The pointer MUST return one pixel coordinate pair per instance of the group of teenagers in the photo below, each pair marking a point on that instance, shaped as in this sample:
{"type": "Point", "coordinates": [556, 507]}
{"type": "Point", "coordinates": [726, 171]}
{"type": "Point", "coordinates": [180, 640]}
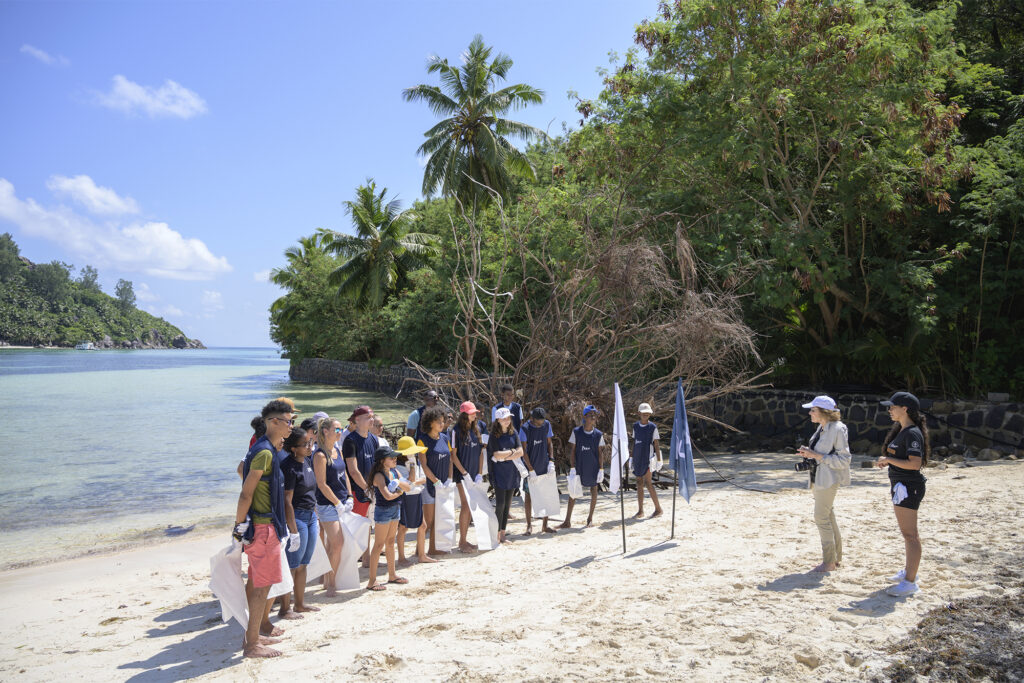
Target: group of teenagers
{"type": "Point", "coordinates": [299, 483]}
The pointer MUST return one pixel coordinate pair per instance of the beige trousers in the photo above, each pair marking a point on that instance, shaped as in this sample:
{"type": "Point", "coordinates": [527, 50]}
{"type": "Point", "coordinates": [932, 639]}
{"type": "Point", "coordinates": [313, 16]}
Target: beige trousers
{"type": "Point", "coordinates": [825, 518]}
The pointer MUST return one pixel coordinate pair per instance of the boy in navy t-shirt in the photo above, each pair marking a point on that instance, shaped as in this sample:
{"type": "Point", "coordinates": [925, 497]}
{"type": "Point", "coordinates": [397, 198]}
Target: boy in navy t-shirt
{"type": "Point", "coordinates": [536, 435]}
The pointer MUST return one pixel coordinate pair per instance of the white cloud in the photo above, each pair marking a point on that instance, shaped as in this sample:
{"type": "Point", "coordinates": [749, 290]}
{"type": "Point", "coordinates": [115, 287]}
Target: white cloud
{"type": "Point", "coordinates": [261, 275]}
{"type": "Point", "coordinates": [150, 247]}
{"type": "Point", "coordinates": [45, 57]}
{"type": "Point", "coordinates": [164, 311]}
{"type": "Point", "coordinates": [144, 293]}
{"type": "Point", "coordinates": [170, 99]}
{"type": "Point", "coordinates": [212, 300]}
{"type": "Point", "coordinates": [82, 189]}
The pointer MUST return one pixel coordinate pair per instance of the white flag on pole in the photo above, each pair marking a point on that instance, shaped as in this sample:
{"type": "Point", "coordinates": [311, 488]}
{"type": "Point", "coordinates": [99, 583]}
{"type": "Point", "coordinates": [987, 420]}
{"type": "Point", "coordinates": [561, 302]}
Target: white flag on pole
{"type": "Point", "coordinates": [620, 443]}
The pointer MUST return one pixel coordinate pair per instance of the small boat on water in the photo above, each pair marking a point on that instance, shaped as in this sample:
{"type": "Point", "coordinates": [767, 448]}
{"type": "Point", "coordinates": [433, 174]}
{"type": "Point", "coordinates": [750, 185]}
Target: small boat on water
{"type": "Point", "coordinates": [85, 346]}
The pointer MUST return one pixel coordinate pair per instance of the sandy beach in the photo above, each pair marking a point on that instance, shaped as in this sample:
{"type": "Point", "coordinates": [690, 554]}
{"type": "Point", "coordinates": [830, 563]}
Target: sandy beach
{"type": "Point", "coordinates": [728, 599]}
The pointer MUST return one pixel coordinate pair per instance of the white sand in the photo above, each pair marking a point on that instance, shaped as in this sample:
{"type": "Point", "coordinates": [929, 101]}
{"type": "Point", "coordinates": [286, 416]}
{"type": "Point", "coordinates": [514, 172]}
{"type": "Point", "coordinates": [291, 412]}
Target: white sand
{"type": "Point", "coordinates": [727, 599]}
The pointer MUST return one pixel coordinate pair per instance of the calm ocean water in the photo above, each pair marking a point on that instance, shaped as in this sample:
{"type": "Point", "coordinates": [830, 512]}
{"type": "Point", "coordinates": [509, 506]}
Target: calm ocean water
{"type": "Point", "coordinates": [109, 449]}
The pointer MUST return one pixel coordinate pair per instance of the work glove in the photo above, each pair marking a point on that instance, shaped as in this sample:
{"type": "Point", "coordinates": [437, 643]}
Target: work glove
{"type": "Point", "coordinates": [239, 531]}
{"type": "Point", "coordinates": [572, 472]}
{"type": "Point", "coordinates": [294, 541]}
{"type": "Point", "coordinates": [533, 475]}
{"type": "Point", "coordinates": [478, 479]}
{"type": "Point", "coordinates": [551, 467]}
{"type": "Point", "coordinates": [600, 475]}
{"type": "Point", "coordinates": [392, 485]}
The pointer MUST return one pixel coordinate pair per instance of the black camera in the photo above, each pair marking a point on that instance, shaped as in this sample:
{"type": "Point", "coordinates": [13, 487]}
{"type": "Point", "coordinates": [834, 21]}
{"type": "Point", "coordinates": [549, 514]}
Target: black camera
{"type": "Point", "coordinates": [805, 465]}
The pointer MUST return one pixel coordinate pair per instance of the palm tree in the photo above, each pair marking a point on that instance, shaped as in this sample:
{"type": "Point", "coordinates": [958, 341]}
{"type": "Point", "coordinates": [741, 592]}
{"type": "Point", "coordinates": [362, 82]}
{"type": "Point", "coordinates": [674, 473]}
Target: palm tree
{"type": "Point", "coordinates": [288, 313]}
{"type": "Point", "coordinates": [470, 147]}
{"type": "Point", "coordinates": [382, 253]}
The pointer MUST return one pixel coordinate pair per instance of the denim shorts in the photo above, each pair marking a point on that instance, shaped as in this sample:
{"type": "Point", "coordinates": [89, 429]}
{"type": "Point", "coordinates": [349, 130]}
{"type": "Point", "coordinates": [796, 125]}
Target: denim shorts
{"type": "Point", "coordinates": [327, 513]}
{"type": "Point", "coordinates": [425, 496]}
{"type": "Point", "coordinates": [383, 515]}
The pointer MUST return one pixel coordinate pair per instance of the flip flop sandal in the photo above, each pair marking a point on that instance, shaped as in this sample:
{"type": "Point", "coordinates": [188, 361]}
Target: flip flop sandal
{"type": "Point", "coordinates": [400, 580]}
{"type": "Point", "coordinates": [376, 587]}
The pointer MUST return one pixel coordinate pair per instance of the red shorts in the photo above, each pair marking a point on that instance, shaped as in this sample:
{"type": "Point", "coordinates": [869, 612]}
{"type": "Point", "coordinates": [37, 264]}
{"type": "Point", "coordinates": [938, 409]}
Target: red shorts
{"type": "Point", "coordinates": [264, 557]}
{"type": "Point", "coordinates": [360, 508]}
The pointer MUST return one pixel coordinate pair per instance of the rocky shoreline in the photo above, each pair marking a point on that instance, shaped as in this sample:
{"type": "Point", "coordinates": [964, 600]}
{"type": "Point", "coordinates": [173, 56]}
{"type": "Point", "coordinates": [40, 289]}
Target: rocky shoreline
{"type": "Point", "coordinates": [151, 339]}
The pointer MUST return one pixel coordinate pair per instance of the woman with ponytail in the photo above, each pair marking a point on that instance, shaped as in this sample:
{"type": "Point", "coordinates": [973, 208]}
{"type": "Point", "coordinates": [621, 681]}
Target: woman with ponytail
{"type": "Point", "coordinates": [905, 452]}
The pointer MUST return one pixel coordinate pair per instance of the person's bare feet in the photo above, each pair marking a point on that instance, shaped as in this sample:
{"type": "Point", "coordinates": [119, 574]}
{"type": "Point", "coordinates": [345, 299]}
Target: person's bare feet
{"type": "Point", "coordinates": [273, 631]}
{"type": "Point", "coordinates": [426, 558]}
{"type": "Point", "coordinates": [290, 615]}
{"type": "Point", "coordinates": [565, 525]}
{"type": "Point", "coordinates": [529, 530]}
{"type": "Point", "coordinates": [259, 651]}
{"type": "Point", "coordinates": [467, 548]}
{"type": "Point", "coordinates": [405, 562]}
{"type": "Point", "coordinates": [639, 515]}
{"type": "Point", "coordinates": [823, 568]}
{"type": "Point", "coordinates": [331, 593]}
{"type": "Point", "coordinates": [590, 523]}
{"type": "Point", "coordinates": [267, 640]}
{"type": "Point", "coordinates": [548, 530]}
{"type": "Point", "coordinates": [657, 513]}
{"type": "Point", "coordinates": [437, 553]}
{"type": "Point", "coordinates": [307, 608]}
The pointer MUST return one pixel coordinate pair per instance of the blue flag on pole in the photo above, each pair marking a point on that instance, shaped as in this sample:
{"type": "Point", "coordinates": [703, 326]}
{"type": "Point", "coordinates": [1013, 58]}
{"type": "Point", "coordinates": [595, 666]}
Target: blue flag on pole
{"type": "Point", "coordinates": [681, 453]}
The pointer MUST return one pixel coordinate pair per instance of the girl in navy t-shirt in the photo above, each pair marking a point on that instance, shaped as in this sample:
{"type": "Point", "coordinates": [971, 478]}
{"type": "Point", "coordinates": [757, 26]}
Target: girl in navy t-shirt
{"type": "Point", "coordinates": [469, 437]}
{"type": "Point", "coordinates": [503, 448]}
{"type": "Point", "coordinates": [436, 464]}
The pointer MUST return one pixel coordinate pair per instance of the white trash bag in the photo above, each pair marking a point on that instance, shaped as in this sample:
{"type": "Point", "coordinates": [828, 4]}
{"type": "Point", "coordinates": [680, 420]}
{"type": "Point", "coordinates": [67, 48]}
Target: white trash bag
{"type": "Point", "coordinates": [355, 534]}
{"type": "Point", "coordinates": [484, 520]}
{"type": "Point", "coordinates": [544, 495]}
{"type": "Point", "coordinates": [227, 585]}
{"type": "Point", "coordinates": [444, 516]}
{"type": "Point", "coordinates": [575, 485]}
{"type": "Point", "coordinates": [285, 585]}
{"type": "Point", "coordinates": [319, 563]}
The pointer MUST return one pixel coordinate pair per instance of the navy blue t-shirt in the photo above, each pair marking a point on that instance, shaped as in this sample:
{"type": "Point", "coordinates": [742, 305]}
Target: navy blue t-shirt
{"type": "Point", "coordinates": [535, 443]}
{"type": "Point", "coordinates": [439, 457]}
{"type": "Point", "coordinates": [503, 473]}
{"type": "Point", "coordinates": [643, 438]}
{"type": "Point", "coordinates": [362, 449]}
{"type": "Point", "coordinates": [299, 478]}
{"type": "Point", "coordinates": [587, 453]}
{"type": "Point", "coordinates": [468, 447]}
{"type": "Point", "coordinates": [909, 442]}
{"type": "Point", "coordinates": [336, 478]}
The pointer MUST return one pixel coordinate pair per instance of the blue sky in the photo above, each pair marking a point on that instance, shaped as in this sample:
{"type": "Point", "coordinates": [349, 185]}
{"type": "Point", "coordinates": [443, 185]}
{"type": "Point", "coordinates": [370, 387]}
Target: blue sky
{"type": "Point", "coordinates": [184, 146]}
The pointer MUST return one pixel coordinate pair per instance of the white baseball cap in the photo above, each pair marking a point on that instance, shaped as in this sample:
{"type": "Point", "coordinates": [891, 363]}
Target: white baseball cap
{"type": "Point", "coordinates": [823, 402]}
{"type": "Point", "coordinates": [645, 408]}
{"type": "Point", "coordinates": [502, 413]}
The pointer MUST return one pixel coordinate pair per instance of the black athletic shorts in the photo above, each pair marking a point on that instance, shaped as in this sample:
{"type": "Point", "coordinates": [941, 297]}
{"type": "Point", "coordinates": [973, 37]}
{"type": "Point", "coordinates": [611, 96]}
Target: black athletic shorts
{"type": "Point", "coordinates": [914, 494]}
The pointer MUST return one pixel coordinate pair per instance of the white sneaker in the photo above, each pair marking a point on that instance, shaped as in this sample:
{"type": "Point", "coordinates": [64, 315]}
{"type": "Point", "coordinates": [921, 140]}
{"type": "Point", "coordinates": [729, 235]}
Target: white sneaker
{"type": "Point", "coordinates": [898, 576]}
{"type": "Point", "coordinates": [902, 589]}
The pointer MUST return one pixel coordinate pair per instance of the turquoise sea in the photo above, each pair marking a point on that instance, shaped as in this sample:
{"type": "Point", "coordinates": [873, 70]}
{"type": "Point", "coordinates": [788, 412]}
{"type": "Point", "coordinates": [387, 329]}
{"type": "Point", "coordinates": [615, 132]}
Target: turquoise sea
{"type": "Point", "coordinates": [109, 449]}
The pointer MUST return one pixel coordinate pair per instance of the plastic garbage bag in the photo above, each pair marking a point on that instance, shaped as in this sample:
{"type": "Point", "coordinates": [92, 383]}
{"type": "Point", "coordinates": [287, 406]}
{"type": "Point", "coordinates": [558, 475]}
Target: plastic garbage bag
{"type": "Point", "coordinates": [285, 585]}
{"type": "Point", "coordinates": [444, 516]}
{"type": "Point", "coordinates": [319, 563]}
{"type": "Point", "coordinates": [227, 585]}
{"type": "Point", "coordinates": [355, 532]}
{"type": "Point", "coordinates": [544, 496]}
{"type": "Point", "coordinates": [575, 485]}
{"type": "Point", "coordinates": [484, 520]}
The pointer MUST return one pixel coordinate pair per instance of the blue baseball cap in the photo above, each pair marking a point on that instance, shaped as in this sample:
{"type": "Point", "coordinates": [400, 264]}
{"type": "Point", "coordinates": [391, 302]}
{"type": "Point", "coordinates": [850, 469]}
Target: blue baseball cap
{"type": "Point", "coordinates": [589, 409]}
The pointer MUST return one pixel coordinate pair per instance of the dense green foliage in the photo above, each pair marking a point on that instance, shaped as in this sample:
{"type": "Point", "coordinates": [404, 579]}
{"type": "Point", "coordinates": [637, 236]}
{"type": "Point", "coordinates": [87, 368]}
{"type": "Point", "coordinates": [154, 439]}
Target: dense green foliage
{"type": "Point", "coordinates": [40, 304]}
{"type": "Point", "coordinates": [854, 170]}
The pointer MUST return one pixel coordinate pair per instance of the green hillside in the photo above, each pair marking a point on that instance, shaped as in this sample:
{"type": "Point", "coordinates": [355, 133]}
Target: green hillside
{"type": "Point", "coordinates": [42, 305]}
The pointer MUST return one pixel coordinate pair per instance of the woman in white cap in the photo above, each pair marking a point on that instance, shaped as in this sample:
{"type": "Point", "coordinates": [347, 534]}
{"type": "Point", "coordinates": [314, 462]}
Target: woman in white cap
{"type": "Point", "coordinates": [905, 452]}
{"type": "Point", "coordinates": [646, 442]}
{"type": "Point", "coordinates": [827, 461]}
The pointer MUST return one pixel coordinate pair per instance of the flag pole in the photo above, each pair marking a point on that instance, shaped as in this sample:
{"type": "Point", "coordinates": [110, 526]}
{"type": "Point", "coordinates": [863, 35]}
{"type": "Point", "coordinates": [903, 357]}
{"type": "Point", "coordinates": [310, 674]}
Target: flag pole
{"type": "Point", "coordinates": [622, 516]}
{"type": "Point", "coordinates": [675, 486]}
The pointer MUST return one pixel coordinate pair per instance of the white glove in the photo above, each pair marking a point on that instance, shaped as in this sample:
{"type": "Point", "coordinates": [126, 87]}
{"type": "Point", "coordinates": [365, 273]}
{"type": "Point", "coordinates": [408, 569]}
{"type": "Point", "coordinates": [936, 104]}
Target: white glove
{"type": "Point", "coordinates": [600, 474]}
{"type": "Point", "coordinates": [239, 531]}
{"type": "Point", "coordinates": [518, 462]}
{"type": "Point", "coordinates": [392, 485]}
{"type": "Point", "coordinates": [294, 541]}
{"type": "Point", "coordinates": [479, 479]}
{"type": "Point", "coordinates": [572, 472]}
{"type": "Point", "coordinates": [533, 475]}
{"type": "Point", "coordinates": [551, 467]}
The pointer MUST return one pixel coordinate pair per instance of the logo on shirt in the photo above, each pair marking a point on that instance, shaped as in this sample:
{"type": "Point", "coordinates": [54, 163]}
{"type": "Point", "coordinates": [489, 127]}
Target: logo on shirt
{"type": "Point", "coordinates": [914, 444]}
